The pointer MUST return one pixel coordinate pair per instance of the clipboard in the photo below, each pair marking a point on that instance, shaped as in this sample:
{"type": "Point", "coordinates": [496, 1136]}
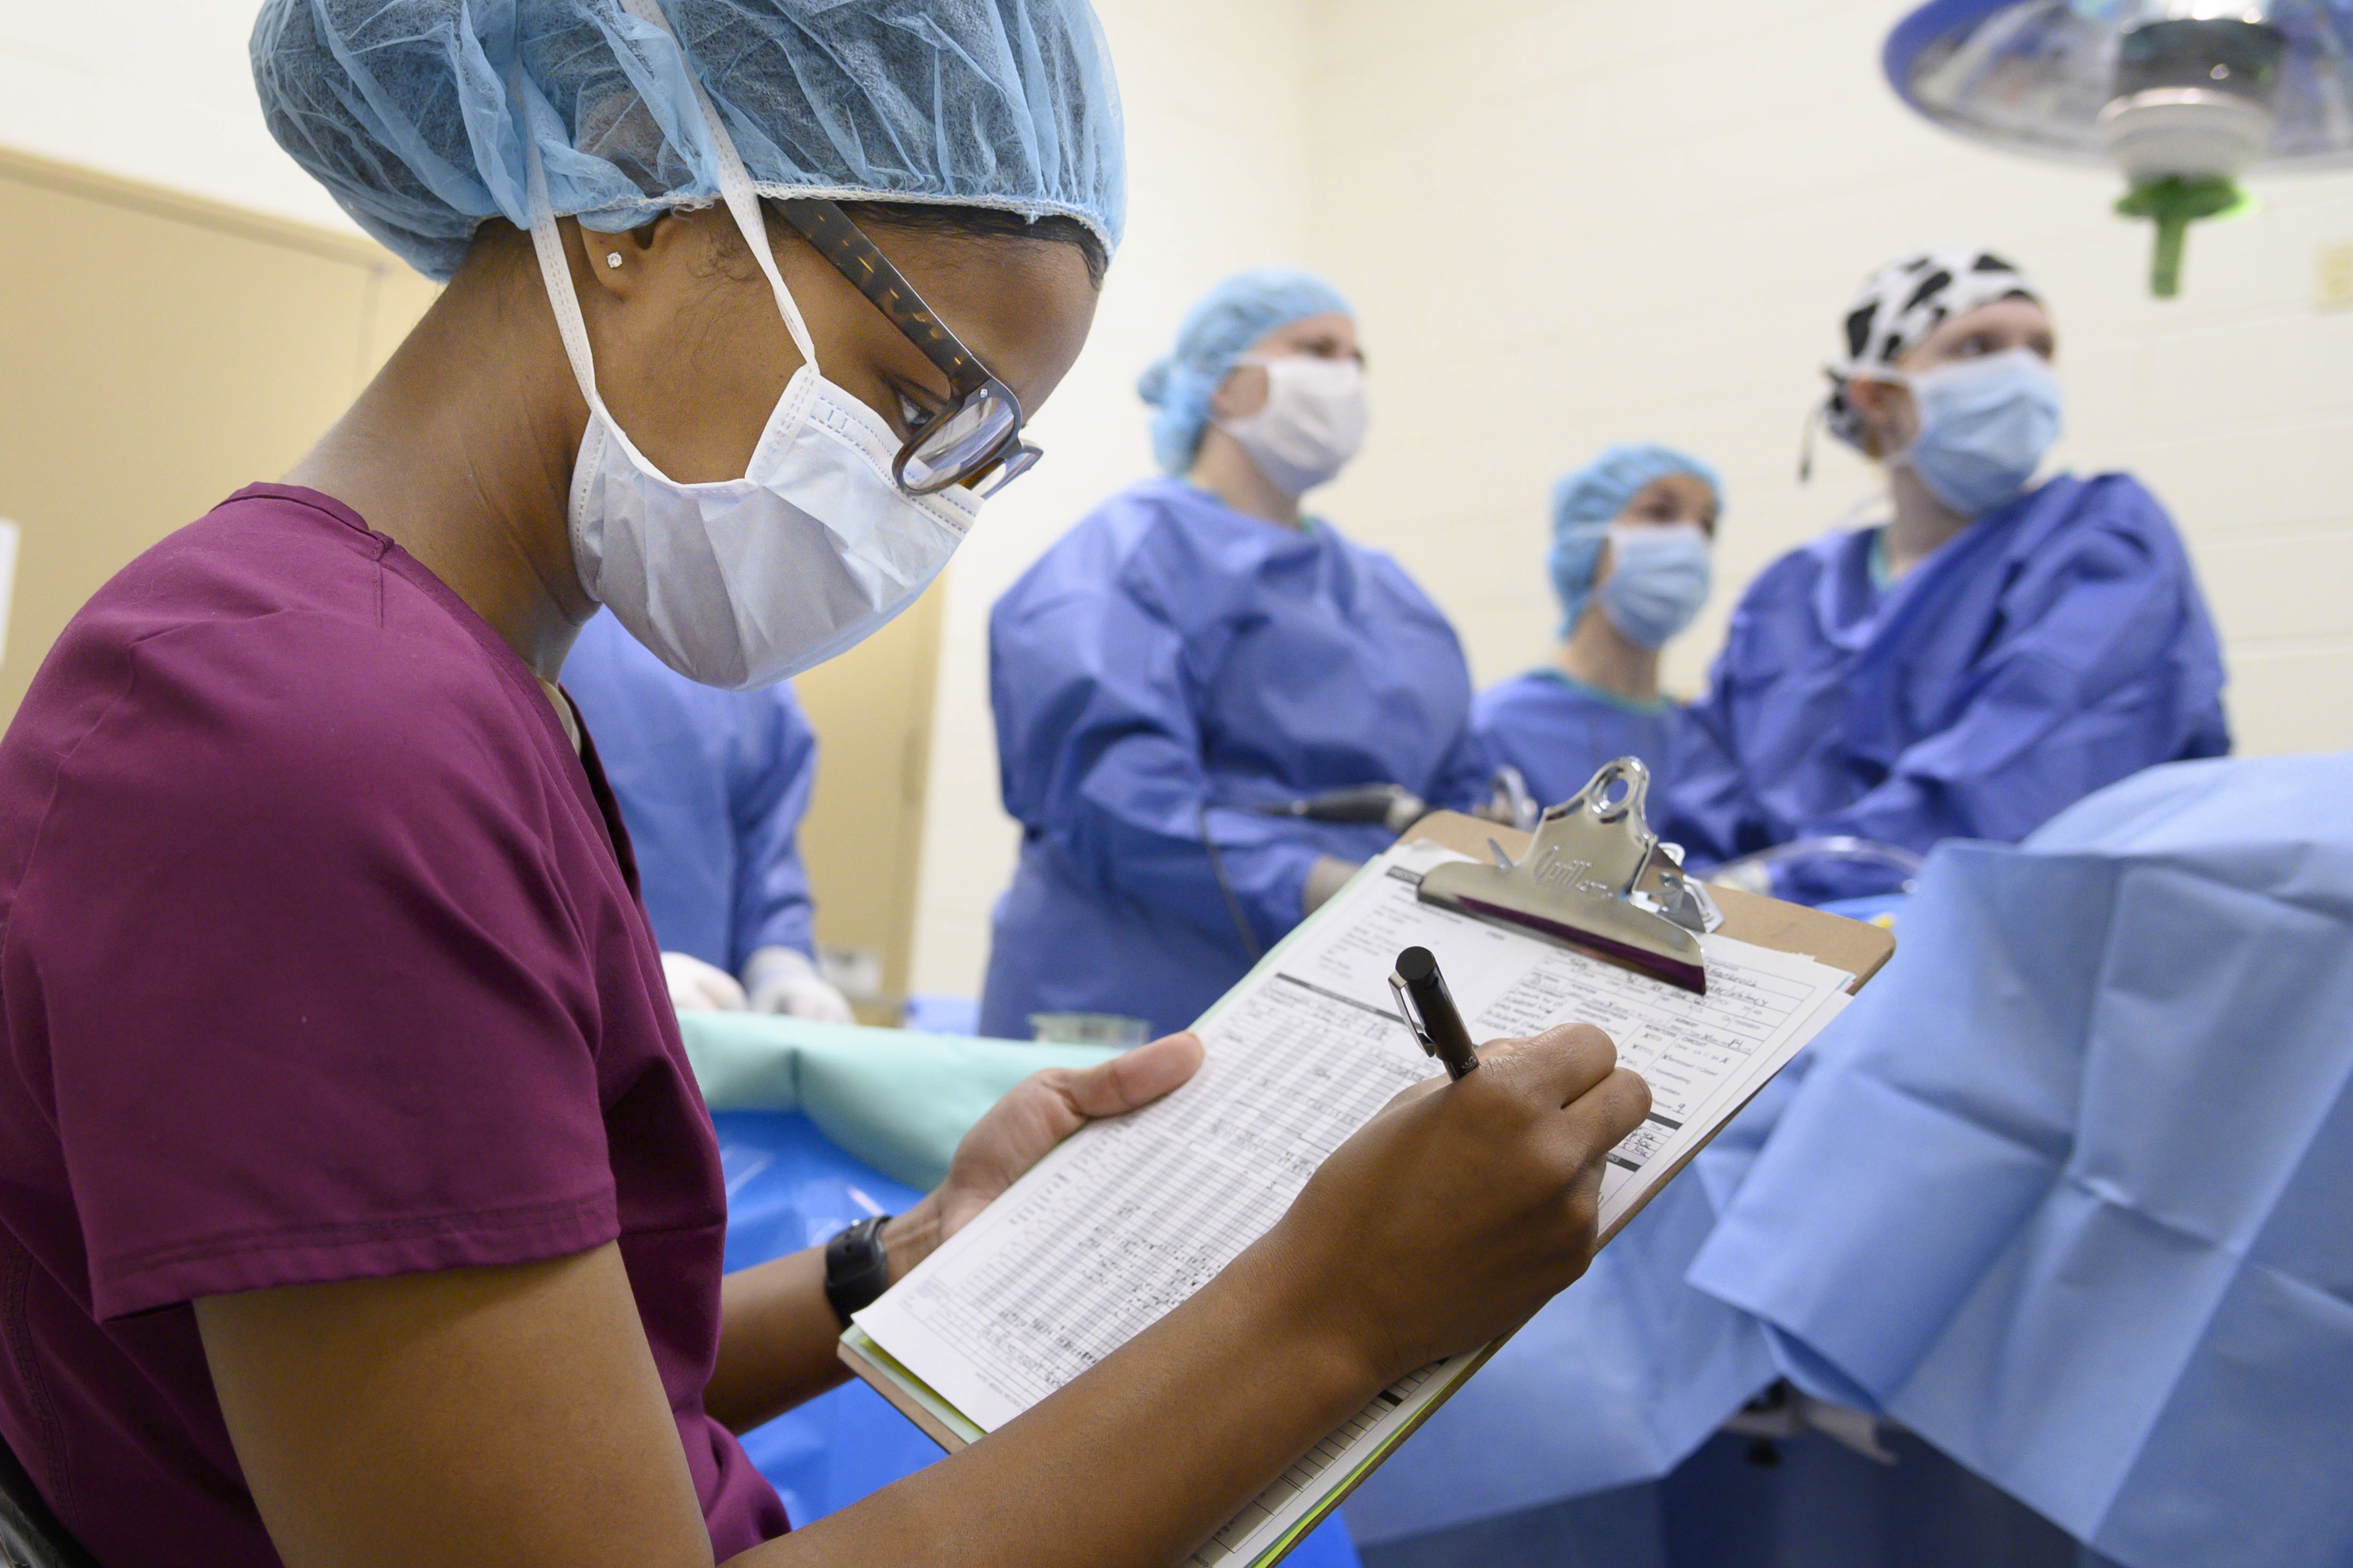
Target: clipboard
{"type": "Point", "coordinates": [1858, 949]}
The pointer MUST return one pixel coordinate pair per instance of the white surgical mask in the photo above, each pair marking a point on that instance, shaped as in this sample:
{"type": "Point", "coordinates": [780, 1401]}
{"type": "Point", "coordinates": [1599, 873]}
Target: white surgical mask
{"type": "Point", "coordinates": [1985, 426]}
{"type": "Point", "coordinates": [1659, 578]}
{"type": "Point", "coordinates": [742, 582]}
{"type": "Point", "coordinates": [1312, 424]}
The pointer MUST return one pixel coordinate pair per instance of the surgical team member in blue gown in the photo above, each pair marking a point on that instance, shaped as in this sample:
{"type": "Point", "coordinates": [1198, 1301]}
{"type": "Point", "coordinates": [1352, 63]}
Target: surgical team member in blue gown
{"type": "Point", "coordinates": [713, 786]}
{"type": "Point", "coordinates": [1198, 646]}
{"type": "Point", "coordinates": [1985, 653]}
{"type": "Point", "coordinates": [1631, 534]}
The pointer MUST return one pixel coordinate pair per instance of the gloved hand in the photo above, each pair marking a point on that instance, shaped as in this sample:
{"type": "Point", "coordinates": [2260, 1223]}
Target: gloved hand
{"type": "Point", "coordinates": [698, 987]}
{"type": "Point", "coordinates": [782, 980]}
{"type": "Point", "coordinates": [1327, 877]}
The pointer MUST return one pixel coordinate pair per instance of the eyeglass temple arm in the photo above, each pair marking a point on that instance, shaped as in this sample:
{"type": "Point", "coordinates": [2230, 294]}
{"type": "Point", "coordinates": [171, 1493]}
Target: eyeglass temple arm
{"type": "Point", "coordinates": [840, 241]}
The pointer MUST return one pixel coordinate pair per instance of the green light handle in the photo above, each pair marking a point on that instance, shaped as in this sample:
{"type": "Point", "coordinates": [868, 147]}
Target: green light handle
{"type": "Point", "coordinates": [2165, 255]}
{"type": "Point", "coordinates": [2173, 204]}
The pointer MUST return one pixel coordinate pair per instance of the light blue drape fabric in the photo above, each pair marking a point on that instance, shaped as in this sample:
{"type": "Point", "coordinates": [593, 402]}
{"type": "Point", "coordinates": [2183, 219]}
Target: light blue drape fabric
{"type": "Point", "coordinates": [2064, 1193]}
{"type": "Point", "coordinates": [2066, 1190]}
{"type": "Point", "coordinates": [895, 1100]}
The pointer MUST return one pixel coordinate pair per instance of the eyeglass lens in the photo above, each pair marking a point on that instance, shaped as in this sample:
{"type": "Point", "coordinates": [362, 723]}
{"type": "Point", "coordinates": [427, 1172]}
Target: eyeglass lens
{"type": "Point", "coordinates": [961, 441]}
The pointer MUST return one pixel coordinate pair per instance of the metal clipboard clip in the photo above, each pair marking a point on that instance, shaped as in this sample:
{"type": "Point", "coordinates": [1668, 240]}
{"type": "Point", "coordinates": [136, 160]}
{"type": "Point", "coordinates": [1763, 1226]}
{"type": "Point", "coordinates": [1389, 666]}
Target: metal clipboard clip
{"type": "Point", "coordinates": [1596, 877]}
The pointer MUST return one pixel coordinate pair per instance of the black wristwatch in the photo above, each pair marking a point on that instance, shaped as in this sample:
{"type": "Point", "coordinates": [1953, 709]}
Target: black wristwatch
{"type": "Point", "coordinates": [856, 1269]}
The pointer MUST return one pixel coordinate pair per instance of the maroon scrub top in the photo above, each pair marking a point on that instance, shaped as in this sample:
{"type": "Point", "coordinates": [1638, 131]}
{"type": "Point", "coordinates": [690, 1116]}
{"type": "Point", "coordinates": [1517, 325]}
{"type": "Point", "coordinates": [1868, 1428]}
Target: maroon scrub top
{"type": "Point", "coordinates": [321, 958]}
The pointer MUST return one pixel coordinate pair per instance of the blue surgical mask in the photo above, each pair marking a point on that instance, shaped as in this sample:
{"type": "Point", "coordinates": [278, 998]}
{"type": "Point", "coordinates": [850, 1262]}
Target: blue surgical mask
{"type": "Point", "coordinates": [1659, 578]}
{"type": "Point", "coordinates": [1985, 426]}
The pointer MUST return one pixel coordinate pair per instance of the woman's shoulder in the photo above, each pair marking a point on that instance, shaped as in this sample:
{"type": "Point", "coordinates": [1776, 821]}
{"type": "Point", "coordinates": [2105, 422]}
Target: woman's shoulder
{"type": "Point", "coordinates": [2103, 528]}
{"type": "Point", "coordinates": [1104, 536]}
{"type": "Point", "coordinates": [1161, 544]}
{"type": "Point", "coordinates": [2113, 503]}
{"type": "Point", "coordinates": [1371, 559]}
{"type": "Point", "coordinates": [276, 641]}
{"type": "Point", "coordinates": [1387, 575]}
{"type": "Point", "coordinates": [1171, 525]}
{"type": "Point", "coordinates": [264, 551]}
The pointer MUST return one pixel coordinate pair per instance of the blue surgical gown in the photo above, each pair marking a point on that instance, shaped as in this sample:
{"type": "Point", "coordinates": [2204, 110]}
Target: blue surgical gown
{"type": "Point", "coordinates": [1166, 662]}
{"type": "Point", "coordinates": [1557, 729]}
{"type": "Point", "coordinates": [2064, 1190]}
{"type": "Point", "coordinates": [711, 785]}
{"type": "Point", "coordinates": [2050, 649]}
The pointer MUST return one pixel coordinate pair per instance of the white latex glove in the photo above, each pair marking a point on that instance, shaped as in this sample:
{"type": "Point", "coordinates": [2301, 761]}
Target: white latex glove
{"type": "Point", "coordinates": [698, 987]}
{"type": "Point", "coordinates": [782, 980]}
{"type": "Point", "coordinates": [1327, 877]}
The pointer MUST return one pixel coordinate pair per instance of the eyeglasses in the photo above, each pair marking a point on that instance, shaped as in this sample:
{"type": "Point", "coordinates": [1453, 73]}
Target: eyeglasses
{"type": "Point", "coordinates": [980, 430]}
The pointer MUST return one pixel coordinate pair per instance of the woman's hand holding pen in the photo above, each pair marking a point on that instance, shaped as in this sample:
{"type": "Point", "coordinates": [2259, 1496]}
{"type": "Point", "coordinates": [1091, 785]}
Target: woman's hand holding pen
{"type": "Point", "coordinates": [1462, 1208]}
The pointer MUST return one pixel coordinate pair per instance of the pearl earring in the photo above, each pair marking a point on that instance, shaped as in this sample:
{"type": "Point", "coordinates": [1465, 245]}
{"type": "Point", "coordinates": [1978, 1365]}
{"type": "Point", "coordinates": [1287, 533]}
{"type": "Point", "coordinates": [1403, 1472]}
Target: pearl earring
{"type": "Point", "coordinates": [612, 258]}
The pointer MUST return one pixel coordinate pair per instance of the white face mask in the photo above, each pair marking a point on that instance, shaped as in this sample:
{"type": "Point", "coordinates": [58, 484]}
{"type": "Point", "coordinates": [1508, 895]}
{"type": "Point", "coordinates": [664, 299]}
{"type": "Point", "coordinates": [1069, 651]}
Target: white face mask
{"type": "Point", "coordinates": [1313, 422]}
{"type": "Point", "coordinates": [742, 582]}
{"type": "Point", "coordinates": [1985, 426]}
{"type": "Point", "coordinates": [1659, 578]}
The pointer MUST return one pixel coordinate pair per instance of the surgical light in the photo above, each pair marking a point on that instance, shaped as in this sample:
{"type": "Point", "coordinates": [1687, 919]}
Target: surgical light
{"type": "Point", "coordinates": [2182, 96]}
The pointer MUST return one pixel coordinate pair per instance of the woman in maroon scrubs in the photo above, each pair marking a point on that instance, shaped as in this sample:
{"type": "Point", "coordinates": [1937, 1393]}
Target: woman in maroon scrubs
{"type": "Point", "coordinates": [356, 1203]}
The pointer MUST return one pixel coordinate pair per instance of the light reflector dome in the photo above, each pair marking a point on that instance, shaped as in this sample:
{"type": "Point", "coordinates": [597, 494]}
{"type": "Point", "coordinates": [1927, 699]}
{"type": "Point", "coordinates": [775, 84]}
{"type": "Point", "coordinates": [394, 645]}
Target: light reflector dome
{"type": "Point", "coordinates": [2183, 96]}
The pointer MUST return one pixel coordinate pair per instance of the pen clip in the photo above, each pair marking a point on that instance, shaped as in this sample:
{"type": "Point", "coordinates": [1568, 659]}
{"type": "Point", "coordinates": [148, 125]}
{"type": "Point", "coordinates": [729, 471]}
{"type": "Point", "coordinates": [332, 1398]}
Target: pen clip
{"type": "Point", "coordinates": [1411, 1014]}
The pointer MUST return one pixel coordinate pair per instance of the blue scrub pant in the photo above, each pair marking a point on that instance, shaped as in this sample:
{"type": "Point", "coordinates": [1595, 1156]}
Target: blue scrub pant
{"type": "Point", "coordinates": [788, 1187]}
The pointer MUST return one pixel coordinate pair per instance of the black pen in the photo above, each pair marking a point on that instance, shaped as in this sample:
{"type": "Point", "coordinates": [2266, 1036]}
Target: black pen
{"type": "Point", "coordinates": [1429, 1011]}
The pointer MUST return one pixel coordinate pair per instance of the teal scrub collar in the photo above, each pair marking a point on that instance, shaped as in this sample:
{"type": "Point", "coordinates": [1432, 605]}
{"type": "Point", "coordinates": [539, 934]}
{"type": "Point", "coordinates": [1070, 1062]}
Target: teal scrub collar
{"type": "Point", "coordinates": [1659, 704]}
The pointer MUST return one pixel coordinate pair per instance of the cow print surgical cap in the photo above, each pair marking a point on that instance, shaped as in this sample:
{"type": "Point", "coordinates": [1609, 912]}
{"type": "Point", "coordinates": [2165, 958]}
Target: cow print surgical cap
{"type": "Point", "coordinates": [1901, 304]}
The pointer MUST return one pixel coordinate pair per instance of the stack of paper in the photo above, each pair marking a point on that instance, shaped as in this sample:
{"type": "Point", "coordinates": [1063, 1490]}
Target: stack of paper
{"type": "Point", "coordinates": [1131, 1216]}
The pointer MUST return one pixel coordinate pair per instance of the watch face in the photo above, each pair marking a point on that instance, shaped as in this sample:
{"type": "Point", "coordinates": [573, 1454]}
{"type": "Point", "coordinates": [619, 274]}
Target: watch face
{"type": "Point", "coordinates": [857, 1269]}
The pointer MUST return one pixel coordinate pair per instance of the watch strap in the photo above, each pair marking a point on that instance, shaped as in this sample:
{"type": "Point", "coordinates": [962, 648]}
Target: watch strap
{"type": "Point", "coordinates": [857, 1269]}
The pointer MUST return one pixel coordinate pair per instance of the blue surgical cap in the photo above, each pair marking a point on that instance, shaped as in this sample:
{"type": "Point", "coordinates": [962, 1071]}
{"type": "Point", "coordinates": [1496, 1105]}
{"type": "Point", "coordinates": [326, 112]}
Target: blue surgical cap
{"type": "Point", "coordinates": [1586, 501]}
{"type": "Point", "coordinates": [1217, 331]}
{"type": "Point", "coordinates": [412, 113]}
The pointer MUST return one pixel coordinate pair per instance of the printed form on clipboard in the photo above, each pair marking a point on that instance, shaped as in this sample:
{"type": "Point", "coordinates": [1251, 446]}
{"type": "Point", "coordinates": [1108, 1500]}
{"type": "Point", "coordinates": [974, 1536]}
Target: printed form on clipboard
{"type": "Point", "coordinates": [1129, 1216]}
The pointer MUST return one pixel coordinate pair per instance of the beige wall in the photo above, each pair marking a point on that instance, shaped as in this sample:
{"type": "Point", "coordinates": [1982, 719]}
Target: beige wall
{"type": "Point", "coordinates": [1568, 222]}
{"type": "Point", "coordinates": [1217, 129]}
{"type": "Point", "coordinates": [862, 840]}
{"type": "Point", "coordinates": [159, 91]}
{"type": "Point", "coordinates": [158, 353]}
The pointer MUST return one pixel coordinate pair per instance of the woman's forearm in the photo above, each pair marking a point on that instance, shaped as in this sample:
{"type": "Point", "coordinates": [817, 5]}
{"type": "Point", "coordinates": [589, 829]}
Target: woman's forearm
{"type": "Point", "coordinates": [1138, 1460]}
{"type": "Point", "coordinates": [777, 1332]}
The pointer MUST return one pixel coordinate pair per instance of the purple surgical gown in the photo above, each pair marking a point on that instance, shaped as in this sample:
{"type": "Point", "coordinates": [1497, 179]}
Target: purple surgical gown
{"type": "Point", "coordinates": [1166, 663]}
{"type": "Point", "coordinates": [2053, 646]}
